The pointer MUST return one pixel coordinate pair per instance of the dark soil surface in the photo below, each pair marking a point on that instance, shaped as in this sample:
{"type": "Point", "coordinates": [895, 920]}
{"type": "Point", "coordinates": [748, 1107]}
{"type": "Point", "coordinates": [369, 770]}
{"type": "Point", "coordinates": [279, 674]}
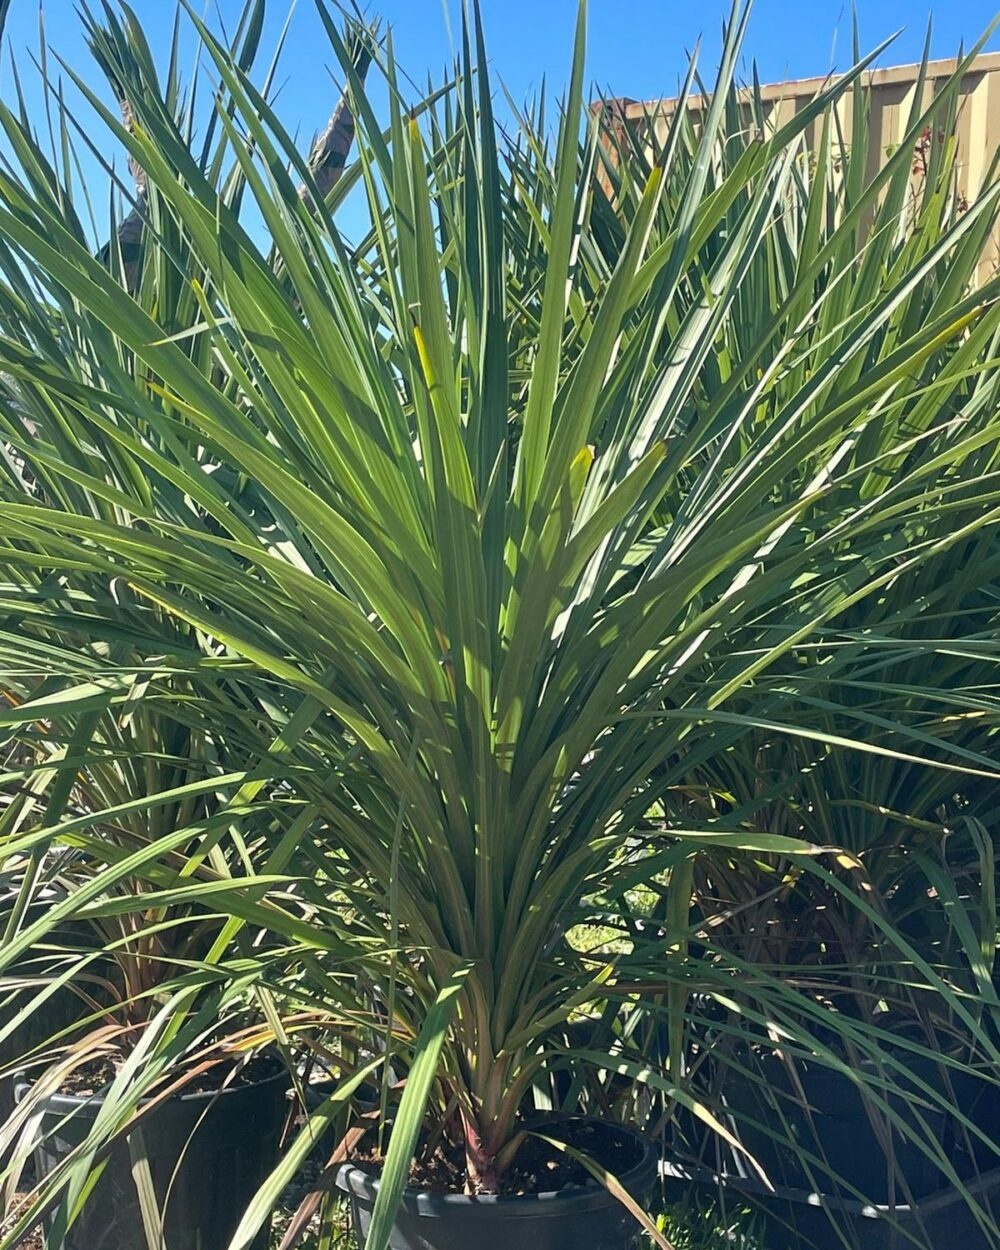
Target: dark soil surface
{"type": "Point", "coordinates": [539, 1167]}
{"type": "Point", "coordinates": [91, 1076]}
{"type": "Point", "coordinates": [97, 1073]}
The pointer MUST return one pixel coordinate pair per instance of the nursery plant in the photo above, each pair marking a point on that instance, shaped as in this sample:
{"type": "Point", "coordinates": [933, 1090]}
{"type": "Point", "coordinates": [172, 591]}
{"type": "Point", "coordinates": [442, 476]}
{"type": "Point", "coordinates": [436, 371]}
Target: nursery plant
{"type": "Point", "coordinates": [918, 846]}
{"type": "Point", "coordinates": [483, 530]}
{"type": "Point", "coordinates": [132, 964]}
{"type": "Point", "coordinates": [913, 851]}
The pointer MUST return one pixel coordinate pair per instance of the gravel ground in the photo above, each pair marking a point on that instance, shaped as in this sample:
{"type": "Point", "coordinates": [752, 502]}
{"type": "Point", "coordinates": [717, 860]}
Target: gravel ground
{"type": "Point", "coordinates": [34, 1242]}
{"type": "Point", "coordinates": [293, 1196]}
{"type": "Point", "coordinates": [688, 1229]}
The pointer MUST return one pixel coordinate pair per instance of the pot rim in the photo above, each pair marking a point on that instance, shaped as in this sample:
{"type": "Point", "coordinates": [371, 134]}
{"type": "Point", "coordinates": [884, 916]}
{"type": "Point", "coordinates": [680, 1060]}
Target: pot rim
{"type": "Point", "coordinates": [358, 1182]}
{"type": "Point", "coordinates": [57, 1101]}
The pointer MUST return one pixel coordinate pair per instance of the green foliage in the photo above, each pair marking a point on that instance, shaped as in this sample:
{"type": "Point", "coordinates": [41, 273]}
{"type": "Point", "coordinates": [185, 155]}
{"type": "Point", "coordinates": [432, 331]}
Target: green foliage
{"type": "Point", "coordinates": [381, 616]}
{"type": "Point", "coordinates": [694, 1227]}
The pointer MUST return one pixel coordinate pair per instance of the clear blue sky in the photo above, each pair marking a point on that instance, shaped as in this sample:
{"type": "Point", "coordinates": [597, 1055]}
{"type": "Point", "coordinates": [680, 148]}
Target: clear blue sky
{"type": "Point", "coordinates": [636, 47]}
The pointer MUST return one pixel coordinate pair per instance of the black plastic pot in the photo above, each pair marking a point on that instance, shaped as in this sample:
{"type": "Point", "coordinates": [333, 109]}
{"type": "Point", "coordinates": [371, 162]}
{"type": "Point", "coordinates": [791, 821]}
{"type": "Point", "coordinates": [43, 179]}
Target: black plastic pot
{"type": "Point", "coordinates": [566, 1220]}
{"type": "Point", "coordinates": [986, 1116]}
{"type": "Point", "coordinates": [208, 1154]}
{"type": "Point", "coordinates": [60, 1012]}
{"type": "Point", "coordinates": [366, 1099]}
{"type": "Point", "coordinates": [804, 1220]}
{"type": "Point", "coordinates": [840, 1130]}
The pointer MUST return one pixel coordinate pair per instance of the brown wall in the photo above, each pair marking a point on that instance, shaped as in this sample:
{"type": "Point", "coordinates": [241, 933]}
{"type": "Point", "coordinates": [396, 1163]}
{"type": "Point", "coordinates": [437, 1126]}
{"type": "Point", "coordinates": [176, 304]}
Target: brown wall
{"type": "Point", "coordinates": [891, 97]}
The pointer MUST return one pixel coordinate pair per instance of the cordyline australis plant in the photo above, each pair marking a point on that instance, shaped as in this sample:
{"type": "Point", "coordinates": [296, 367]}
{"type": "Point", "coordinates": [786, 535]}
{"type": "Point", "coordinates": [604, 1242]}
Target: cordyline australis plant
{"type": "Point", "coordinates": [904, 817]}
{"type": "Point", "coordinates": [486, 526]}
